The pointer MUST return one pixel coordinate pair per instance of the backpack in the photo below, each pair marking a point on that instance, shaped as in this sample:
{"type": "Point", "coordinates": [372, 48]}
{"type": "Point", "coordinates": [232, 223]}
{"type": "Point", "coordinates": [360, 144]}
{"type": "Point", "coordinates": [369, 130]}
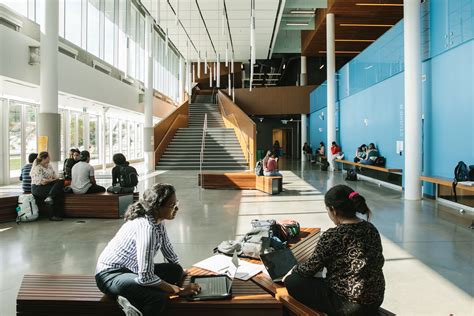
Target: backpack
{"type": "Point", "coordinates": [379, 161]}
{"type": "Point", "coordinates": [461, 173]}
{"type": "Point", "coordinates": [324, 165]}
{"type": "Point", "coordinates": [128, 177]}
{"type": "Point", "coordinates": [471, 173]}
{"type": "Point", "coordinates": [351, 175]}
{"type": "Point", "coordinates": [27, 210]}
{"type": "Point", "coordinates": [288, 229]}
{"type": "Point", "coordinates": [259, 168]}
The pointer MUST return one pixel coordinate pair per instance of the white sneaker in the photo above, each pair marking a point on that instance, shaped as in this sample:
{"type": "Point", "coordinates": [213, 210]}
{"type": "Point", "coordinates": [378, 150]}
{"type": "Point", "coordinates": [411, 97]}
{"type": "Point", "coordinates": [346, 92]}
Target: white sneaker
{"type": "Point", "coordinates": [127, 307]}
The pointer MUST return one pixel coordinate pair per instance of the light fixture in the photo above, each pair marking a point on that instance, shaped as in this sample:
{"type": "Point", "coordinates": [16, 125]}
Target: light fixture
{"type": "Point", "coordinates": [302, 11]}
{"type": "Point", "coordinates": [284, 66]}
{"type": "Point", "coordinates": [368, 67]}
{"type": "Point", "coordinates": [321, 67]}
{"type": "Point", "coordinates": [297, 23]}
{"type": "Point", "coordinates": [260, 119]}
{"type": "Point", "coordinates": [380, 4]}
{"type": "Point", "coordinates": [342, 51]}
{"type": "Point", "coordinates": [365, 25]}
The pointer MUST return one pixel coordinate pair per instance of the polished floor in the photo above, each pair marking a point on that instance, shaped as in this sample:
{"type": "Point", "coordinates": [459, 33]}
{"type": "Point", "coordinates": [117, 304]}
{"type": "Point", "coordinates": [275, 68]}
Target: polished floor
{"type": "Point", "coordinates": [428, 249]}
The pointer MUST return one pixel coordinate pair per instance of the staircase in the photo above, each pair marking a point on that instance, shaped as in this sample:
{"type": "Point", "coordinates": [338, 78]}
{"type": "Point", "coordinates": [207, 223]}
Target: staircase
{"type": "Point", "coordinates": [222, 149]}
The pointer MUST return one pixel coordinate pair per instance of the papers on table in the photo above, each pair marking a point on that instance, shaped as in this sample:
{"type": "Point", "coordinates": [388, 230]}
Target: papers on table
{"type": "Point", "coordinates": [220, 263]}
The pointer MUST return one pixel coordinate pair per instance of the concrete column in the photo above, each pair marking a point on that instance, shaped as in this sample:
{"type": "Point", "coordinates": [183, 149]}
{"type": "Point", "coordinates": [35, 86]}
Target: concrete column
{"type": "Point", "coordinates": [303, 76]}
{"type": "Point", "coordinates": [331, 84]}
{"type": "Point", "coordinates": [304, 134]}
{"type": "Point", "coordinates": [148, 144]}
{"type": "Point", "coordinates": [49, 119]}
{"type": "Point", "coordinates": [413, 123]}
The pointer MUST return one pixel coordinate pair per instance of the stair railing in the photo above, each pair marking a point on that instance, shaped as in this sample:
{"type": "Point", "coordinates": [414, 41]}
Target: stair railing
{"type": "Point", "coordinates": [203, 144]}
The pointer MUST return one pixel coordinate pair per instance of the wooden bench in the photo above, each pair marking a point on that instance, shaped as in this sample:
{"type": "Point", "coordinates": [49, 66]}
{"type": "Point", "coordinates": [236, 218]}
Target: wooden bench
{"type": "Point", "coordinates": [241, 181]}
{"type": "Point", "coordinates": [74, 295]}
{"type": "Point", "coordinates": [8, 204]}
{"type": "Point", "coordinates": [444, 190]}
{"type": "Point", "coordinates": [390, 175]}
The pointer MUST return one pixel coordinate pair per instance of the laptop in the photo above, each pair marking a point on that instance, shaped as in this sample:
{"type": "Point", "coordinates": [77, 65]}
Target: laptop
{"type": "Point", "coordinates": [278, 263]}
{"type": "Point", "coordinates": [216, 287]}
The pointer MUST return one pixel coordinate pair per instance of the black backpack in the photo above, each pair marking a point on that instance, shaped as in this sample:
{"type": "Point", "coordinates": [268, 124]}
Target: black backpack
{"type": "Point", "coordinates": [259, 168]}
{"type": "Point", "coordinates": [471, 173]}
{"type": "Point", "coordinates": [324, 165]}
{"type": "Point", "coordinates": [128, 177]}
{"type": "Point", "coordinates": [379, 161]}
{"type": "Point", "coordinates": [461, 173]}
{"type": "Point", "coordinates": [351, 175]}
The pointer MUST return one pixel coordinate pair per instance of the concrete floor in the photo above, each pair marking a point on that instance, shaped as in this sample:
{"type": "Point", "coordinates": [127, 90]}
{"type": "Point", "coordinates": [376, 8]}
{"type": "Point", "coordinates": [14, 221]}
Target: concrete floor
{"type": "Point", "coordinates": [429, 251]}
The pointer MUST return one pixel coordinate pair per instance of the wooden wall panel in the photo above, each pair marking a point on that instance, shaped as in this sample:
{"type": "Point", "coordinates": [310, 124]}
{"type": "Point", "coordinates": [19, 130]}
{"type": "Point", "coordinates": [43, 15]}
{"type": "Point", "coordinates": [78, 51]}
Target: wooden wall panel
{"type": "Point", "coordinates": [274, 101]}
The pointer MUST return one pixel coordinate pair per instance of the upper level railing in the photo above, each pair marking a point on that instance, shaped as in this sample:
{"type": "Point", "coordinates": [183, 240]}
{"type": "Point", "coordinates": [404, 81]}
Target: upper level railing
{"type": "Point", "coordinates": [244, 127]}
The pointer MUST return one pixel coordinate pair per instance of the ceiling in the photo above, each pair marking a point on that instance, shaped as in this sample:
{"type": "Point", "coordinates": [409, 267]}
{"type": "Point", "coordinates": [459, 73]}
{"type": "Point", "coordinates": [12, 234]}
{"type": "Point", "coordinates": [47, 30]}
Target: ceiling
{"type": "Point", "coordinates": [358, 24]}
{"type": "Point", "coordinates": [203, 21]}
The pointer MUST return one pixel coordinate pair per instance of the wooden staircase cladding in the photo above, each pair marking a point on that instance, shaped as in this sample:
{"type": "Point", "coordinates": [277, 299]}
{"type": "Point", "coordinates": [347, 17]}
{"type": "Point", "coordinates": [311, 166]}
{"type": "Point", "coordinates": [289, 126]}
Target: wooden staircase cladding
{"type": "Point", "coordinates": [245, 129]}
{"type": "Point", "coordinates": [165, 130]}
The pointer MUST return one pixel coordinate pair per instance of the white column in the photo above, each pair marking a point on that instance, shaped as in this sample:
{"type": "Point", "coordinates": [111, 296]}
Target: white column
{"type": "Point", "coordinates": [303, 76]}
{"type": "Point", "coordinates": [181, 80]}
{"type": "Point", "coordinates": [304, 134]}
{"type": "Point", "coordinates": [148, 144]}
{"type": "Point", "coordinates": [331, 84]}
{"type": "Point", "coordinates": [413, 126]}
{"type": "Point", "coordinates": [49, 118]}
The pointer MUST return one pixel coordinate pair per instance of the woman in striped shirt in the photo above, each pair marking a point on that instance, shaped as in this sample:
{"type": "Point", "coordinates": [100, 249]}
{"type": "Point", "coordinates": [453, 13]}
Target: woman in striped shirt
{"type": "Point", "coordinates": [126, 267]}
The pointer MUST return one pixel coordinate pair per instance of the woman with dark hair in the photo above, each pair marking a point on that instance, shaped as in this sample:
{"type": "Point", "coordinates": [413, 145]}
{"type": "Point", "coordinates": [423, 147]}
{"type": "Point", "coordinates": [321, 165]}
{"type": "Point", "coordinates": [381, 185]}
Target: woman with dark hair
{"type": "Point", "coordinates": [352, 254]}
{"type": "Point", "coordinates": [46, 185]}
{"type": "Point", "coordinates": [73, 158]}
{"type": "Point", "coordinates": [126, 267]}
{"type": "Point", "coordinates": [118, 173]}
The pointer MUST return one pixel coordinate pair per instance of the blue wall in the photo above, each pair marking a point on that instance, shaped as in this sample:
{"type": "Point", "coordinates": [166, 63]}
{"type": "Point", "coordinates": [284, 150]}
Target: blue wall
{"type": "Point", "coordinates": [371, 86]}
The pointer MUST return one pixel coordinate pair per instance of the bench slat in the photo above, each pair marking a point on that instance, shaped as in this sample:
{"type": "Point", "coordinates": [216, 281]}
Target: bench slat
{"type": "Point", "coordinates": [446, 182]}
{"type": "Point", "coordinates": [389, 170]}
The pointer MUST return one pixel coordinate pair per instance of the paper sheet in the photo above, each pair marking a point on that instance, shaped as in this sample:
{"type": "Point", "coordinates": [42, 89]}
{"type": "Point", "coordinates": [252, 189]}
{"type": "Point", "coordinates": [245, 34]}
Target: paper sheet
{"type": "Point", "coordinates": [219, 263]}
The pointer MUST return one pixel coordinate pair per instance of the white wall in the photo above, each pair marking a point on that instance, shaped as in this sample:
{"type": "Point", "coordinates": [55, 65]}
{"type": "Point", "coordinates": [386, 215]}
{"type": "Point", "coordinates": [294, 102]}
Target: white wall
{"type": "Point", "coordinates": [75, 77]}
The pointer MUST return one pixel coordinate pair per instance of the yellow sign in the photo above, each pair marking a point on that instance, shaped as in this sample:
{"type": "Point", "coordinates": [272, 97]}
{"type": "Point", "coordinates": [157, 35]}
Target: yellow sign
{"type": "Point", "coordinates": [42, 143]}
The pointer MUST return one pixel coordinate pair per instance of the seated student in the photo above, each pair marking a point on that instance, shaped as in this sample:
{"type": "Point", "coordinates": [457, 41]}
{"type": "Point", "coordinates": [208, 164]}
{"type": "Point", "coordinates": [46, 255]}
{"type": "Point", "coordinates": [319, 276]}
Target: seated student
{"type": "Point", "coordinates": [25, 177]}
{"type": "Point", "coordinates": [126, 266]}
{"type": "Point", "coordinates": [320, 152]}
{"type": "Point", "coordinates": [73, 158]}
{"type": "Point", "coordinates": [272, 167]}
{"type": "Point", "coordinates": [83, 179]}
{"type": "Point", "coordinates": [117, 172]}
{"type": "Point", "coordinates": [265, 160]}
{"type": "Point", "coordinates": [352, 254]}
{"type": "Point", "coordinates": [46, 185]}
{"type": "Point", "coordinates": [335, 149]}
{"type": "Point", "coordinates": [372, 154]}
{"type": "Point", "coordinates": [361, 153]}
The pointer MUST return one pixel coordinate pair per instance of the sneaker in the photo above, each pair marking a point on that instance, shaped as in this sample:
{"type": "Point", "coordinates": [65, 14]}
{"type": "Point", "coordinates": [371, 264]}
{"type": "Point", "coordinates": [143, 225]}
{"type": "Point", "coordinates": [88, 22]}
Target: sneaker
{"type": "Point", "coordinates": [49, 200]}
{"type": "Point", "coordinates": [127, 307]}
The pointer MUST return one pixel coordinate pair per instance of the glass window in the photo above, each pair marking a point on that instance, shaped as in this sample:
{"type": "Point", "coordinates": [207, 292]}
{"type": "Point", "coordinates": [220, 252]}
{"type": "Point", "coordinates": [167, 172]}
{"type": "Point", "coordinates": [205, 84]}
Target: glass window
{"type": "Point", "coordinates": [124, 138]}
{"type": "Point", "coordinates": [20, 6]}
{"type": "Point", "coordinates": [63, 145]}
{"type": "Point", "coordinates": [109, 32]}
{"type": "Point", "coordinates": [133, 40]}
{"type": "Point", "coordinates": [115, 137]}
{"type": "Point", "coordinates": [107, 137]}
{"type": "Point", "coordinates": [141, 49]}
{"type": "Point", "coordinates": [72, 26]}
{"type": "Point", "coordinates": [73, 130]}
{"type": "Point", "coordinates": [93, 25]}
{"type": "Point", "coordinates": [40, 11]}
{"type": "Point", "coordinates": [14, 135]}
{"type": "Point", "coordinates": [131, 138]}
{"type": "Point", "coordinates": [61, 18]}
{"type": "Point", "coordinates": [30, 131]}
{"type": "Point", "coordinates": [80, 132]}
{"type": "Point", "coordinates": [122, 53]}
{"type": "Point", "coordinates": [93, 139]}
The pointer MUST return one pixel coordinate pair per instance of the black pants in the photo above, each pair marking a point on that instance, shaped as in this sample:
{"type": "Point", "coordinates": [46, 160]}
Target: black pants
{"type": "Point", "coordinates": [148, 299]}
{"type": "Point", "coordinates": [56, 191]}
{"type": "Point", "coordinates": [95, 189]}
{"type": "Point", "coordinates": [315, 293]}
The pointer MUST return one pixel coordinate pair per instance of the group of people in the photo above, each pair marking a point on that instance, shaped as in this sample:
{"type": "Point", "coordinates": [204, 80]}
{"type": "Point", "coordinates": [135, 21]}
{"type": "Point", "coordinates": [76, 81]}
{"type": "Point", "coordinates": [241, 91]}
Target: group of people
{"type": "Point", "coordinates": [78, 176]}
{"type": "Point", "coordinates": [366, 155]}
{"type": "Point", "coordinates": [351, 252]}
{"type": "Point", "coordinates": [321, 151]}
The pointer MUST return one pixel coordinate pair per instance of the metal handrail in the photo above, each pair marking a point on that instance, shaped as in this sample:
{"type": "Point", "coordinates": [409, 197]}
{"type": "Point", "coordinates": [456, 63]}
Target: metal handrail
{"type": "Point", "coordinates": [203, 143]}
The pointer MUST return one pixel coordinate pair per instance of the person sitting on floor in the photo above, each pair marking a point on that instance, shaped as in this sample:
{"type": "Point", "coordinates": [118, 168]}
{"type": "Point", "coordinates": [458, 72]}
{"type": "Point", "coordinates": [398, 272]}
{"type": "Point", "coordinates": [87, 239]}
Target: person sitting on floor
{"type": "Point", "coordinates": [272, 167]}
{"type": "Point", "coordinates": [126, 267]}
{"type": "Point", "coordinates": [119, 174]}
{"type": "Point", "coordinates": [73, 158]}
{"type": "Point", "coordinates": [352, 254]}
{"type": "Point", "coordinates": [361, 153]}
{"type": "Point", "coordinates": [25, 177]}
{"type": "Point", "coordinates": [46, 185]}
{"type": "Point", "coordinates": [372, 154]}
{"type": "Point", "coordinates": [83, 179]}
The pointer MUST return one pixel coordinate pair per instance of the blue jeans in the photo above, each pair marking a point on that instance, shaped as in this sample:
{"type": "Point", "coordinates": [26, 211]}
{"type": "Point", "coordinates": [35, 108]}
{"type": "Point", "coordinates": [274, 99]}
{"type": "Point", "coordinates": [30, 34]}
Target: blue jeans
{"type": "Point", "coordinates": [272, 174]}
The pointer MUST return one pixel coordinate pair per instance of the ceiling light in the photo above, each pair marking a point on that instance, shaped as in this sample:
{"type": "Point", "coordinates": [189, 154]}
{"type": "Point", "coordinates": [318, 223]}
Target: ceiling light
{"type": "Point", "coordinates": [366, 25]}
{"type": "Point", "coordinates": [355, 40]}
{"type": "Point", "coordinates": [342, 51]}
{"type": "Point", "coordinates": [380, 4]}
{"type": "Point", "coordinates": [296, 23]}
{"type": "Point", "coordinates": [302, 11]}
{"type": "Point", "coordinates": [284, 66]}
{"type": "Point", "coordinates": [321, 67]}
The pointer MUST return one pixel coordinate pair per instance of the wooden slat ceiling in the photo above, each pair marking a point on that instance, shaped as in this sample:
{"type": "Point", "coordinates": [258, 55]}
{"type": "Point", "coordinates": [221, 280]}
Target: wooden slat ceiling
{"type": "Point", "coordinates": [351, 39]}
